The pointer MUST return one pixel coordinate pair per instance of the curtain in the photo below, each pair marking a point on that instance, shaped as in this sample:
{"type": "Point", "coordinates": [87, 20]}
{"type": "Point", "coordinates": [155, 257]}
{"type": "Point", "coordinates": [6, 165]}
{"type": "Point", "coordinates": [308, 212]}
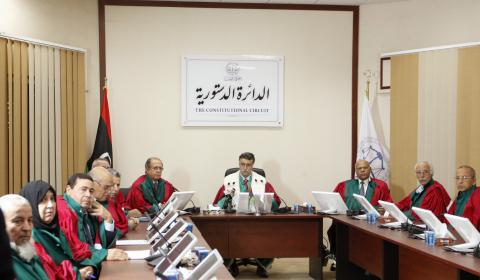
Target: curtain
{"type": "Point", "coordinates": [42, 106]}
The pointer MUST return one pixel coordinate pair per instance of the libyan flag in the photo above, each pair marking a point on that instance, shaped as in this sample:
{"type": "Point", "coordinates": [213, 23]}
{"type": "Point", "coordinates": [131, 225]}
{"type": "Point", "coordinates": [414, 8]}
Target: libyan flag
{"type": "Point", "coordinates": [103, 141]}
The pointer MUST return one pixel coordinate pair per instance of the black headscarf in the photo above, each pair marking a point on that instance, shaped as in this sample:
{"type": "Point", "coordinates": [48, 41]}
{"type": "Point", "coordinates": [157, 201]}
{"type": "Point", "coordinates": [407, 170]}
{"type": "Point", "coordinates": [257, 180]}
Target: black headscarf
{"type": "Point", "coordinates": [34, 192]}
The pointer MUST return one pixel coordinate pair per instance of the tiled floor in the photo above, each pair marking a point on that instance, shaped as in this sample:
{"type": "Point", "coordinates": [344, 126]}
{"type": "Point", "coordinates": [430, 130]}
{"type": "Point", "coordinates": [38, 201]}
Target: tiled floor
{"type": "Point", "coordinates": [294, 268]}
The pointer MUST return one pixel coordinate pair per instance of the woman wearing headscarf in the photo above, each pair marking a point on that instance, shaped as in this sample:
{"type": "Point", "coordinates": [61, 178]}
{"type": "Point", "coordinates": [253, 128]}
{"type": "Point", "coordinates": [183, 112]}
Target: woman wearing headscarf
{"type": "Point", "coordinates": [58, 262]}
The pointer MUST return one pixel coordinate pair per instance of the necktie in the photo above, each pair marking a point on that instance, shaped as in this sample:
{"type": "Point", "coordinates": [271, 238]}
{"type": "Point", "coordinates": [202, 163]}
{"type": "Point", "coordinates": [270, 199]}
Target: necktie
{"type": "Point", "coordinates": [245, 183]}
{"type": "Point", "coordinates": [155, 187]}
{"type": "Point", "coordinates": [86, 229]}
{"type": "Point", "coordinates": [362, 188]}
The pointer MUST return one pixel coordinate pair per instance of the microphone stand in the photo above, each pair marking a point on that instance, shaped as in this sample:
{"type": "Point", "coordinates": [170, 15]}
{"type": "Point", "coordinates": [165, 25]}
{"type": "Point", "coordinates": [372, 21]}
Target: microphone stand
{"type": "Point", "coordinates": [154, 259]}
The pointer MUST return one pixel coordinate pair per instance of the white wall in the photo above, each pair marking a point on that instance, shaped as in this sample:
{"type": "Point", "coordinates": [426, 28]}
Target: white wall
{"type": "Point", "coordinates": [311, 152]}
{"type": "Point", "coordinates": [409, 25]}
{"type": "Point", "coordinates": [67, 22]}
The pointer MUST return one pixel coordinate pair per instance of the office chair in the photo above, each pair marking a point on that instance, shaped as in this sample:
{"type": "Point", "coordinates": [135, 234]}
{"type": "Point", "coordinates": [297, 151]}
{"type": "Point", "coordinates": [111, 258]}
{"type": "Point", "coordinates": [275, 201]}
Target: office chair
{"type": "Point", "coordinates": [235, 169]}
{"type": "Point", "coordinates": [125, 191]}
{"type": "Point", "coordinates": [233, 264]}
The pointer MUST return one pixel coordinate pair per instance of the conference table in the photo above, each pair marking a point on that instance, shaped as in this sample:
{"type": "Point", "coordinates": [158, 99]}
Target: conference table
{"type": "Point", "coordinates": [265, 236]}
{"type": "Point", "coordinates": [139, 269]}
{"type": "Point", "coordinates": [391, 254]}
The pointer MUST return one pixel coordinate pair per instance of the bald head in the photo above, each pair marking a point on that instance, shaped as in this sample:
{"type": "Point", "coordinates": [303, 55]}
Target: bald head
{"type": "Point", "coordinates": [18, 218]}
{"type": "Point", "coordinates": [103, 162]}
{"type": "Point", "coordinates": [102, 182]}
{"type": "Point", "coordinates": [362, 169]}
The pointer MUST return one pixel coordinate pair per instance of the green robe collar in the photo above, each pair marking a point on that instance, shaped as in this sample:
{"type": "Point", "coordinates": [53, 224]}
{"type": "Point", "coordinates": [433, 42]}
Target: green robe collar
{"type": "Point", "coordinates": [24, 270]}
{"type": "Point", "coordinates": [352, 187]}
{"type": "Point", "coordinates": [153, 198]}
{"type": "Point", "coordinates": [462, 199]}
{"type": "Point", "coordinates": [244, 188]}
{"type": "Point", "coordinates": [417, 198]}
{"type": "Point", "coordinates": [93, 223]}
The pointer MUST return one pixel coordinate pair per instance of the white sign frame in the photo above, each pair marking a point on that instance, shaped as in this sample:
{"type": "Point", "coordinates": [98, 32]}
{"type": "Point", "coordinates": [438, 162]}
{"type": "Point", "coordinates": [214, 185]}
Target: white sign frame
{"type": "Point", "coordinates": [254, 85]}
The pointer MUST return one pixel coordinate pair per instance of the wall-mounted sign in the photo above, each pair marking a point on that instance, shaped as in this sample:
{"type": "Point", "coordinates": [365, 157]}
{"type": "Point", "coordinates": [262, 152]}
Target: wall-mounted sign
{"type": "Point", "coordinates": [232, 91]}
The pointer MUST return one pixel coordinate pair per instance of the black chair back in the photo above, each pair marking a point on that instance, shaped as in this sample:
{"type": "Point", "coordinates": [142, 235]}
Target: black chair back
{"type": "Point", "coordinates": [235, 169]}
{"type": "Point", "coordinates": [125, 191]}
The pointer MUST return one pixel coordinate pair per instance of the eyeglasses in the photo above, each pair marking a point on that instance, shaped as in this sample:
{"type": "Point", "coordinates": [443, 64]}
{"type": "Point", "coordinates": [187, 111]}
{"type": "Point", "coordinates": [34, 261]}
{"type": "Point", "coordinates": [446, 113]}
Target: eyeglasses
{"type": "Point", "coordinates": [157, 168]}
{"type": "Point", "coordinates": [458, 178]}
{"type": "Point", "coordinates": [421, 172]}
{"type": "Point", "coordinates": [105, 187]}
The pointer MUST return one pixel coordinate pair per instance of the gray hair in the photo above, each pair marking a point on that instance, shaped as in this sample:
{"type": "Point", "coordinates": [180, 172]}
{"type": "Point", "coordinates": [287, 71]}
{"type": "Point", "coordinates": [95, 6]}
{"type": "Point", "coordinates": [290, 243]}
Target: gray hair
{"type": "Point", "coordinates": [424, 162]}
{"type": "Point", "coordinates": [10, 202]}
{"type": "Point", "coordinates": [468, 167]}
{"type": "Point", "coordinates": [115, 173]}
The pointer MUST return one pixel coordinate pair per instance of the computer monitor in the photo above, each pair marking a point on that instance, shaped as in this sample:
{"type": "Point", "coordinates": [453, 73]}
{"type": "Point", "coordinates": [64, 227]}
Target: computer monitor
{"type": "Point", "coordinates": [161, 226]}
{"type": "Point", "coordinates": [174, 256]}
{"type": "Point", "coordinates": [395, 212]}
{"type": "Point", "coordinates": [366, 204]}
{"type": "Point", "coordinates": [330, 202]}
{"type": "Point", "coordinates": [180, 199]}
{"type": "Point", "coordinates": [170, 235]}
{"type": "Point", "coordinates": [433, 223]}
{"type": "Point", "coordinates": [466, 230]}
{"type": "Point", "coordinates": [207, 267]}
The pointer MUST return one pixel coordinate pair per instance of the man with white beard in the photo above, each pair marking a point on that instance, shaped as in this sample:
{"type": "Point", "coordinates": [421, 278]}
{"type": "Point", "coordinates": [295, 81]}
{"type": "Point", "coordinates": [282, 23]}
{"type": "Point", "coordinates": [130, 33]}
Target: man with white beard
{"type": "Point", "coordinates": [18, 221]}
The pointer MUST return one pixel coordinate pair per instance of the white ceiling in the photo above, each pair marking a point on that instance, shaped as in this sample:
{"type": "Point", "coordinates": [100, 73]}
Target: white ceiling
{"type": "Point", "coordinates": [315, 2]}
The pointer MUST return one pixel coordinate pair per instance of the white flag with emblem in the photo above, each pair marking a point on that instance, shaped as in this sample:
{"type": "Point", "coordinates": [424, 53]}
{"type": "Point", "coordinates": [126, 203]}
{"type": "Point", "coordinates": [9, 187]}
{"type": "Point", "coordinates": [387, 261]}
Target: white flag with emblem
{"type": "Point", "coordinates": [369, 146]}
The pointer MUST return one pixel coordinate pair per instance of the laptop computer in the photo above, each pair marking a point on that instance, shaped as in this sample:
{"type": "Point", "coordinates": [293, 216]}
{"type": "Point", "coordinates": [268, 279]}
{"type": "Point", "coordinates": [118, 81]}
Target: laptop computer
{"type": "Point", "coordinates": [330, 203]}
{"type": "Point", "coordinates": [207, 267]}
{"type": "Point", "coordinates": [393, 210]}
{"type": "Point", "coordinates": [433, 223]}
{"type": "Point", "coordinates": [173, 257]}
{"type": "Point", "coordinates": [466, 230]}
{"type": "Point", "coordinates": [365, 205]}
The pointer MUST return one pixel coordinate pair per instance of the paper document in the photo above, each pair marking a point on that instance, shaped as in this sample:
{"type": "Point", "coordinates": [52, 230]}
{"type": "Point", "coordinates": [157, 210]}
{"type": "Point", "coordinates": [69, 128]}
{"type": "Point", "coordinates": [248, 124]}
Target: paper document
{"type": "Point", "coordinates": [132, 242]}
{"type": "Point", "coordinates": [138, 254]}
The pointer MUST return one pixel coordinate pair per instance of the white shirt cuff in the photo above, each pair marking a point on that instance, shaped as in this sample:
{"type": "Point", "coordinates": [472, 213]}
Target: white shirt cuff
{"type": "Point", "coordinates": [109, 226]}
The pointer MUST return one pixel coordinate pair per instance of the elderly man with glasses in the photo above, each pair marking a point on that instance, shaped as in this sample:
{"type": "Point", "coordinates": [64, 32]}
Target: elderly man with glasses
{"type": "Point", "coordinates": [150, 189]}
{"type": "Point", "coordinates": [467, 202]}
{"type": "Point", "coordinates": [429, 194]}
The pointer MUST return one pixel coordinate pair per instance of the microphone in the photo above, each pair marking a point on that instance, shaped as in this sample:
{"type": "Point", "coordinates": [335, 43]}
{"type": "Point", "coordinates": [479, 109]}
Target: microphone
{"type": "Point", "coordinates": [155, 258]}
{"type": "Point", "coordinates": [476, 252]}
{"type": "Point", "coordinates": [194, 209]}
{"type": "Point", "coordinates": [282, 210]}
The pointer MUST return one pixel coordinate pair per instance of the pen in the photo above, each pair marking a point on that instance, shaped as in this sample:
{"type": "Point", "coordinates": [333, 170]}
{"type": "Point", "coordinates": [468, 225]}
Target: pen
{"type": "Point", "coordinates": [91, 276]}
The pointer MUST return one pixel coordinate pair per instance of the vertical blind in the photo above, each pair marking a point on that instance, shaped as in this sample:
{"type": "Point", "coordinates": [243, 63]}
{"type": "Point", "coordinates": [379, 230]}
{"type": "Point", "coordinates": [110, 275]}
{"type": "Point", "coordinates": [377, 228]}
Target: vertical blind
{"type": "Point", "coordinates": [42, 114]}
{"type": "Point", "coordinates": [434, 116]}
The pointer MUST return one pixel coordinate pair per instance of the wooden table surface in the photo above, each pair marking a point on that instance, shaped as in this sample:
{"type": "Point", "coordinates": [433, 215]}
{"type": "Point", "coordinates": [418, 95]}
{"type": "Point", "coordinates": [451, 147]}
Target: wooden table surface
{"type": "Point", "coordinates": [382, 251]}
{"type": "Point", "coordinates": [138, 269]}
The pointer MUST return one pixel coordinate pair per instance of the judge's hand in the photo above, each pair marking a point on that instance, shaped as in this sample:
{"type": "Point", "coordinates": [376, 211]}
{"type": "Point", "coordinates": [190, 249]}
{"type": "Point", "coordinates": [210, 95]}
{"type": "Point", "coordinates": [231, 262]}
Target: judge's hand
{"type": "Point", "coordinates": [134, 213]}
{"type": "Point", "coordinates": [132, 223]}
{"type": "Point", "coordinates": [116, 255]}
{"type": "Point", "coordinates": [98, 210]}
{"type": "Point", "coordinates": [84, 272]}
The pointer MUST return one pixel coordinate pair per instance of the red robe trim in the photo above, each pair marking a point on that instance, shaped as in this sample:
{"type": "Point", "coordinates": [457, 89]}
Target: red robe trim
{"type": "Point", "coordinates": [64, 271]}
{"type": "Point", "coordinates": [67, 220]}
{"type": "Point", "coordinates": [135, 198]}
{"type": "Point", "coordinates": [268, 189]}
{"type": "Point", "coordinates": [436, 199]}
{"type": "Point", "coordinates": [381, 191]}
{"type": "Point", "coordinates": [471, 210]}
{"type": "Point", "coordinates": [118, 215]}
